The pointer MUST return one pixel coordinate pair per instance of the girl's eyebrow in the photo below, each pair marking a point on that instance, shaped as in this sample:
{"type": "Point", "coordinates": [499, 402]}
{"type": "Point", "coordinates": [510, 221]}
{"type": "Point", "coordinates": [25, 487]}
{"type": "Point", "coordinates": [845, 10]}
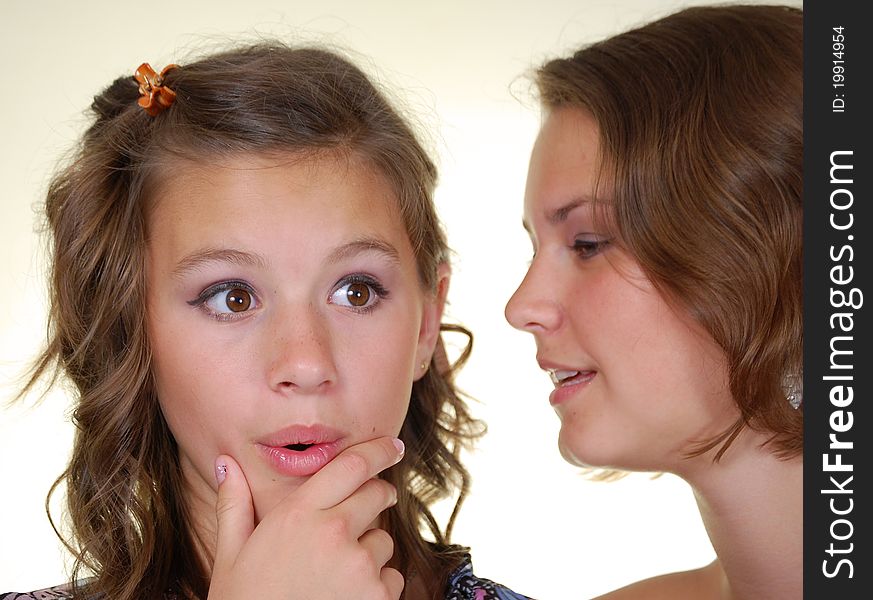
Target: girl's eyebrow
{"type": "Point", "coordinates": [198, 258]}
{"type": "Point", "coordinates": [361, 245]}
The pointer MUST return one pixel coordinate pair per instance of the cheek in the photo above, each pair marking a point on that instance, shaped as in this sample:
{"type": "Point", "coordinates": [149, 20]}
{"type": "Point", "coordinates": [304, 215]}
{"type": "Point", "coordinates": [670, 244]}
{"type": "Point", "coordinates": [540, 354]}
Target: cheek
{"type": "Point", "coordinates": [618, 324]}
{"type": "Point", "coordinates": [653, 362]}
{"type": "Point", "coordinates": [182, 400]}
{"type": "Point", "coordinates": [380, 364]}
{"type": "Point", "coordinates": [196, 384]}
{"type": "Point", "coordinates": [673, 376]}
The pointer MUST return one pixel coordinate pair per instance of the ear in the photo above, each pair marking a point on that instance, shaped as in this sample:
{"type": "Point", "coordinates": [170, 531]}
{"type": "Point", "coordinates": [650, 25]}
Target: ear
{"type": "Point", "coordinates": [431, 319]}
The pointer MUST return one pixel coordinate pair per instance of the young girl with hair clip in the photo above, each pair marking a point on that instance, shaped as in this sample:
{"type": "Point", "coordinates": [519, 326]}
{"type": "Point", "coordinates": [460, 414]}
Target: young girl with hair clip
{"type": "Point", "coordinates": [247, 285]}
{"type": "Point", "coordinates": [664, 206]}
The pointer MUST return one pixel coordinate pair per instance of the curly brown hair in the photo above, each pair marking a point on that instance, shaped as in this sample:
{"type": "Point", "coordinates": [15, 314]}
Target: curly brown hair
{"type": "Point", "coordinates": [130, 524]}
{"type": "Point", "coordinates": [701, 135]}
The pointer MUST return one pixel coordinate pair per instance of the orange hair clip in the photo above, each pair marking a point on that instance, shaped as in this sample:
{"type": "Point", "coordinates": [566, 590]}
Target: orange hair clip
{"type": "Point", "coordinates": [155, 96]}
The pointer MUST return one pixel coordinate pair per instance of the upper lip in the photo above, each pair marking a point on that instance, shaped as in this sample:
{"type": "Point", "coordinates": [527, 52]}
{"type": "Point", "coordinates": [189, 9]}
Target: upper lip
{"type": "Point", "coordinates": [548, 365]}
{"type": "Point", "coordinates": [558, 371]}
{"type": "Point", "coordinates": [302, 434]}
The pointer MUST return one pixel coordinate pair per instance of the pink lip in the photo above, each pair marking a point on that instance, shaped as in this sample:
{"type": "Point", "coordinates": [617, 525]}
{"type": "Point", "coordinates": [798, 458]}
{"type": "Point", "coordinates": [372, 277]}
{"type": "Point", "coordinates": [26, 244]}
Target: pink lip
{"type": "Point", "coordinates": [569, 387]}
{"type": "Point", "coordinates": [323, 444]}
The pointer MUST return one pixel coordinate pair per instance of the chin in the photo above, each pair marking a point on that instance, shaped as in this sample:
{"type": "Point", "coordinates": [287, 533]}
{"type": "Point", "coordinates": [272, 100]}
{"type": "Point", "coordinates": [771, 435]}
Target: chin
{"type": "Point", "coordinates": [570, 456]}
{"type": "Point", "coordinates": [577, 454]}
{"type": "Point", "coordinates": [266, 497]}
{"type": "Point", "coordinates": [587, 452]}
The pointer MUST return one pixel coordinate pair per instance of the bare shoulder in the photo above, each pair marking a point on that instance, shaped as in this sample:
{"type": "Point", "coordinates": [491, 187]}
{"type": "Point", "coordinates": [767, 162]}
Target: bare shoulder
{"type": "Point", "coordinates": [698, 584]}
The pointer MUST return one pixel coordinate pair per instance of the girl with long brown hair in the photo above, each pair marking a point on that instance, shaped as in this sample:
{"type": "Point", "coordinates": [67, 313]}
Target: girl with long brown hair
{"type": "Point", "coordinates": [664, 206]}
{"type": "Point", "coordinates": [247, 285]}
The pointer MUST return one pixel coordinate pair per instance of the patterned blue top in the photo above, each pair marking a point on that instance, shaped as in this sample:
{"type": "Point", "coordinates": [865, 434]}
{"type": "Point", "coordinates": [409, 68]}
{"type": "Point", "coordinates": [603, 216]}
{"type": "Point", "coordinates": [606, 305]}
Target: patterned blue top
{"type": "Point", "coordinates": [462, 585]}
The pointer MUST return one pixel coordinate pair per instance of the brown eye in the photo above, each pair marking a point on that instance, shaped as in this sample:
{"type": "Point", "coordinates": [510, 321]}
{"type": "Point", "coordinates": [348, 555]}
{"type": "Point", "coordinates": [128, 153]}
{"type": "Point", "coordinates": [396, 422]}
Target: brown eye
{"type": "Point", "coordinates": [358, 294]}
{"type": "Point", "coordinates": [589, 248]}
{"type": "Point", "coordinates": [238, 300]}
{"type": "Point", "coordinates": [228, 300]}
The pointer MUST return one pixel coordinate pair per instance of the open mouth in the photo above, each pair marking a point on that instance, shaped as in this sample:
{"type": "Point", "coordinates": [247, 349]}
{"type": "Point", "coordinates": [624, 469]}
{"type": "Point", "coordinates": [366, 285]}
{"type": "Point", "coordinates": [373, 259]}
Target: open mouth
{"type": "Point", "coordinates": [300, 459]}
{"type": "Point", "coordinates": [565, 377]}
{"type": "Point", "coordinates": [301, 450]}
{"type": "Point", "coordinates": [299, 447]}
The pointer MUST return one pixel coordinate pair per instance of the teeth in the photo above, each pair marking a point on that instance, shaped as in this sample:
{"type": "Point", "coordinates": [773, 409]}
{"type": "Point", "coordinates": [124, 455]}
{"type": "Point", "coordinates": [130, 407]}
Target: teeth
{"type": "Point", "coordinates": [557, 376]}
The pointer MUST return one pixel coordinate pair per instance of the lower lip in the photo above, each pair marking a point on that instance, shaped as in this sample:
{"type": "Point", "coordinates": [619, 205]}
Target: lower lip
{"type": "Point", "coordinates": [565, 391]}
{"type": "Point", "coordinates": [300, 463]}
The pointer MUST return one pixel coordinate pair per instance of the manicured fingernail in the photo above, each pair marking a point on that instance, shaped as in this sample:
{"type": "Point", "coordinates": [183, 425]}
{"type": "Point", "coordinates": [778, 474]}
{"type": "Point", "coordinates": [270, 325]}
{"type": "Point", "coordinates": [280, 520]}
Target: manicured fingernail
{"type": "Point", "coordinates": [220, 471]}
{"type": "Point", "coordinates": [401, 447]}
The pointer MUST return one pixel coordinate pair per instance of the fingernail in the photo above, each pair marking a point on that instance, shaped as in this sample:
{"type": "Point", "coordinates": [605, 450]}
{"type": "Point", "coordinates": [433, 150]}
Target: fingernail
{"type": "Point", "coordinates": [401, 447]}
{"type": "Point", "coordinates": [220, 471]}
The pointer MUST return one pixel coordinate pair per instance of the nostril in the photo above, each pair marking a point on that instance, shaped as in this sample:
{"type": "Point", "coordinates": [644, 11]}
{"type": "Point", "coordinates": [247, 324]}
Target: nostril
{"type": "Point", "coordinates": [521, 315]}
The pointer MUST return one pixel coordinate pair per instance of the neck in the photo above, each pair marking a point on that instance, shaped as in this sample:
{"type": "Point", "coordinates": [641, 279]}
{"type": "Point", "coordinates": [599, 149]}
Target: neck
{"type": "Point", "coordinates": [752, 506]}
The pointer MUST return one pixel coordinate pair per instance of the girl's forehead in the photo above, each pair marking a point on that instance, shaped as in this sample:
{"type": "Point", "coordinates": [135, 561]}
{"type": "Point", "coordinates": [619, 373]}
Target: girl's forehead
{"type": "Point", "coordinates": [194, 162]}
{"type": "Point", "coordinates": [252, 200]}
{"type": "Point", "coordinates": [241, 175]}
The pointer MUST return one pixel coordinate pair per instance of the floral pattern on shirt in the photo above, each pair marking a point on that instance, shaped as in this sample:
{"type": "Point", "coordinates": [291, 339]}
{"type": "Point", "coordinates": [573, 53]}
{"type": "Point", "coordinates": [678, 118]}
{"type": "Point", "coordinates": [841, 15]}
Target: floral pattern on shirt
{"type": "Point", "coordinates": [464, 585]}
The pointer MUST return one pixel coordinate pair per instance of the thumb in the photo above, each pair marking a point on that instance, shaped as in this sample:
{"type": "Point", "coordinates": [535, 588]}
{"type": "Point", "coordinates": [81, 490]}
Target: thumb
{"type": "Point", "coordinates": [234, 513]}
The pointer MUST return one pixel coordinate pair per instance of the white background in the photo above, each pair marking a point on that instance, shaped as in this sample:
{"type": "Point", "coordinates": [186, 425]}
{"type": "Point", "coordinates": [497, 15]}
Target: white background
{"type": "Point", "coordinates": [534, 523]}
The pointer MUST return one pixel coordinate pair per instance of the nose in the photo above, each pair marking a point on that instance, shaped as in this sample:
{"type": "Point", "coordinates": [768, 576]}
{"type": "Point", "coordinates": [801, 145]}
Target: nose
{"type": "Point", "coordinates": [535, 306]}
{"type": "Point", "coordinates": [302, 357]}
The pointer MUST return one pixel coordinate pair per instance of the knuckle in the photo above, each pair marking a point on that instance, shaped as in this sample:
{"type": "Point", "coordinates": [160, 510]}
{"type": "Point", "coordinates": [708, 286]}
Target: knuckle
{"type": "Point", "coordinates": [383, 543]}
{"type": "Point", "coordinates": [363, 564]}
{"type": "Point", "coordinates": [393, 583]}
{"type": "Point", "coordinates": [383, 494]}
{"type": "Point", "coordinates": [224, 507]}
{"type": "Point", "coordinates": [388, 541]}
{"type": "Point", "coordinates": [296, 513]}
{"type": "Point", "coordinates": [389, 493]}
{"type": "Point", "coordinates": [337, 530]}
{"type": "Point", "coordinates": [389, 452]}
{"type": "Point", "coordinates": [356, 465]}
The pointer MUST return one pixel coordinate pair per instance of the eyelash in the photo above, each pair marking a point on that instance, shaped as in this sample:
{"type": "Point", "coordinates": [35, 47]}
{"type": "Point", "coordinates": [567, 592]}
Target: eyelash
{"type": "Point", "coordinates": [223, 286]}
{"type": "Point", "coordinates": [588, 249]}
{"type": "Point", "coordinates": [381, 292]}
{"type": "Point", "coordinates": [215, 289]}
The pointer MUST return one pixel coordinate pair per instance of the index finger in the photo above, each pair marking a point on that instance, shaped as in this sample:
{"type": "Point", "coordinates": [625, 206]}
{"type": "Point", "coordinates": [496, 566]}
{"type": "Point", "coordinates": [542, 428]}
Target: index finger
{"type": "Point", "coordinates": [356, 465]}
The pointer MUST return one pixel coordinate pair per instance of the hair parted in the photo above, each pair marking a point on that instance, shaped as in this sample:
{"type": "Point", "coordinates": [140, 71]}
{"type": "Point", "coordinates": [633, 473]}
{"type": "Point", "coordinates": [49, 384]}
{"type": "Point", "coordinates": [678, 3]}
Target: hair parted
{"type": "Point", "coordinates": [130, 526]}
{"type": "Point", "coordinates": [701, 141]}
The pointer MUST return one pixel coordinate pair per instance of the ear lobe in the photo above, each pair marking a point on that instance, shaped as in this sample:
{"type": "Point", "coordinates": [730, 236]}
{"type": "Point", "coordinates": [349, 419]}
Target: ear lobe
{"type": "Point", "coordinates": [431, 319]}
